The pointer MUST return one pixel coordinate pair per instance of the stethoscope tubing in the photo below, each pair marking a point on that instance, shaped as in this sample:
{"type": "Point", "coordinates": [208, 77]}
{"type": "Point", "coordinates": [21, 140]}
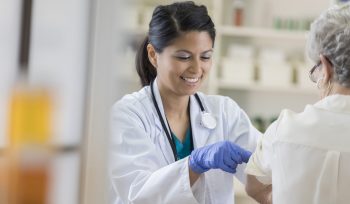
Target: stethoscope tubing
{"type": "Point", "coordinates": [168, 134]}
{"type": "Point", "coordinates": [171, 141]}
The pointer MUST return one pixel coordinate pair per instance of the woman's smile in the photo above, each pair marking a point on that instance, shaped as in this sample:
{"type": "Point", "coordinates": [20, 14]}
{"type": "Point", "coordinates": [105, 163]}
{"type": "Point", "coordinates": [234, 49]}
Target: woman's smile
{"type": "Point", "coordinates": [192, 81]}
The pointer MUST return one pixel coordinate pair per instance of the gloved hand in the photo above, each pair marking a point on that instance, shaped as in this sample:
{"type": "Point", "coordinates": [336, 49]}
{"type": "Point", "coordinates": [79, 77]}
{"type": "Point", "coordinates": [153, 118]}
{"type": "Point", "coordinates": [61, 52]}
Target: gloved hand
{"type": "Point", "coordinates": [223, 155]}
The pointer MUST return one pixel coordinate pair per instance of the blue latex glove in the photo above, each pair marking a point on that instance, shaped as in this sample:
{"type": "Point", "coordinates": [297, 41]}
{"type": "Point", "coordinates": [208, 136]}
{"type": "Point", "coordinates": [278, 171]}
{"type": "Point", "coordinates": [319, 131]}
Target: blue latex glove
{"type": "Point", "coordinates": [223, 155]}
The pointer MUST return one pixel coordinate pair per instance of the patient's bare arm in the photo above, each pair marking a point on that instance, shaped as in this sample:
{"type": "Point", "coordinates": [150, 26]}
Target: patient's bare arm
{"type": "Point", "coordinates": [260, 192]}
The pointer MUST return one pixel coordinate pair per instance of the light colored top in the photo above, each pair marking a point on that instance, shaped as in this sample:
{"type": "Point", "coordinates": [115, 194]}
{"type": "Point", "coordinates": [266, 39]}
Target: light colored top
{"type": "Point", "coordinates": [306, 156]}
{"type": "Point", "coordinates": [142, 166]}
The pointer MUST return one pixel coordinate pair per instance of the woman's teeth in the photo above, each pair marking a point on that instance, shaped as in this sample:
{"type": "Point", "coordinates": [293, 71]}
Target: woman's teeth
{"type": "Point", "coordinates": [191, 80]}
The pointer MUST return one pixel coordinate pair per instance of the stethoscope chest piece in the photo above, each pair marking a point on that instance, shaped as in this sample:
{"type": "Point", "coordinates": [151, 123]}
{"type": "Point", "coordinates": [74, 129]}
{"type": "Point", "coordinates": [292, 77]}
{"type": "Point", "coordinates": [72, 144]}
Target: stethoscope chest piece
{"type": "Point", "coordinates": [208, 120]}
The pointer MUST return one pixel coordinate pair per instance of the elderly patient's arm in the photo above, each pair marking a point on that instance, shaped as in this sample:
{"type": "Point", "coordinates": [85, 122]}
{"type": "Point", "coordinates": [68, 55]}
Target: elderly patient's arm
{"type": "Point", "coordinates": [259, 191]}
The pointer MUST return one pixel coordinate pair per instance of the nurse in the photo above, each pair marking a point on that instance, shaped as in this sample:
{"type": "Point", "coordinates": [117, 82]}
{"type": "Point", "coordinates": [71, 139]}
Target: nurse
{"type": "Point", "coordinates": [171, 143]}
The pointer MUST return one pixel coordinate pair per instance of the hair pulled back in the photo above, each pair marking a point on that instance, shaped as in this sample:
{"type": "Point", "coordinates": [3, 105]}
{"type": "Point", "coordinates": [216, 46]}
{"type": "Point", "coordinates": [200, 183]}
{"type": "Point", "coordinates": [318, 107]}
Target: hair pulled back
{"type": "Point", "coordinates": [169, 22]}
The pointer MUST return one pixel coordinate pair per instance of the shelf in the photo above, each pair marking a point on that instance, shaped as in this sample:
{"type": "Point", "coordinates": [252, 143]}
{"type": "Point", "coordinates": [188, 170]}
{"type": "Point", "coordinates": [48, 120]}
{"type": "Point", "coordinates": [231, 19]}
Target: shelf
{"type": "Point", "coordinates": [239, 32]}
{"type": "Point", "coordinates": [225, 84]}
{"type": "Point", "coordinates": [262, 33]}
{"type": "Point", "coordinates": [53, 148]}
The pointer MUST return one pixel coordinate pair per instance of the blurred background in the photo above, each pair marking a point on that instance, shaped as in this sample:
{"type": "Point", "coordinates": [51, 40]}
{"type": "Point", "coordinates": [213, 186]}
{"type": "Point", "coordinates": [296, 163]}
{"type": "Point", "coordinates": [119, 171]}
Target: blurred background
{"type": "Point", "coordinates": [65, 62]}
{"type": "Point", "coordinates": [58, 59]}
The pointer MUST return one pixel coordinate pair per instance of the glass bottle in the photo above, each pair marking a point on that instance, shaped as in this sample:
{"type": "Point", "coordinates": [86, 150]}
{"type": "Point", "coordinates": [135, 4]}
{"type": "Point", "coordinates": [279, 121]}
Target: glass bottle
{"type": "Point", "coordinates": [238, 12]}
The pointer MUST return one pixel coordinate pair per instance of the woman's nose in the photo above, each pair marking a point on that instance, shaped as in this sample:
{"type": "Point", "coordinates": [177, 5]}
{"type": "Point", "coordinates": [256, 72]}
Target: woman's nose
{"type": "Point", "coordinates": [196, 65]}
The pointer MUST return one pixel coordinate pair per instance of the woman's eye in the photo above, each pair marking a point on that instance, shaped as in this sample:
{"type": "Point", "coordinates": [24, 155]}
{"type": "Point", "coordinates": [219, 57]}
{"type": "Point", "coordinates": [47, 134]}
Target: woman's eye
{"type": "Point", "coordinates": [183, 57]}
{"type": "Point", "coordinates": [206, 57]}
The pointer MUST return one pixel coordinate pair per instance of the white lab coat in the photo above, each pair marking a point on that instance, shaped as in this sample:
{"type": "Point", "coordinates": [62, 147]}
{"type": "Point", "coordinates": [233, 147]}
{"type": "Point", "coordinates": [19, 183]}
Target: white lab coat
{"type": "Point", "coordinates": [306, 156]}
{"type": "Point", "coordinates": [143, 169]}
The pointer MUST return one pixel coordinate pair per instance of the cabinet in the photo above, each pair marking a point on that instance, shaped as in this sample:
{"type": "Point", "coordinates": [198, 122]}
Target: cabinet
{"type": "Point", "coordinates": [261, 62]}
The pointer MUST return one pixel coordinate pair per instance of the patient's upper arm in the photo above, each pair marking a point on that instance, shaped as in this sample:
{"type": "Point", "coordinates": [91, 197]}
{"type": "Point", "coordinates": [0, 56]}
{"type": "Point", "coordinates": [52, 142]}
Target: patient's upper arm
{"type": "Point", "coordinates": [259, 163]}
{"type": "Point", "coordinates": [259, 191]}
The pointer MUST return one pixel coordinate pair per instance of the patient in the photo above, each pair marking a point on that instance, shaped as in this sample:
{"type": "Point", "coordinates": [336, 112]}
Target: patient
{"type": "Point", "coordinates": [305, 157]}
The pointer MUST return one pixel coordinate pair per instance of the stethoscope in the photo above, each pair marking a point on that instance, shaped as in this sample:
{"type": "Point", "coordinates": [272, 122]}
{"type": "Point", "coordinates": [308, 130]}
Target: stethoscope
{"type": "Point", "coordinates": [207, 120]}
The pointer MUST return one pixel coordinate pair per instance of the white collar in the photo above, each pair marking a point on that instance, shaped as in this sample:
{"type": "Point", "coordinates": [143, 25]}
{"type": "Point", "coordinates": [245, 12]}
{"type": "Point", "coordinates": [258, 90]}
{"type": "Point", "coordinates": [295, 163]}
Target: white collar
{"type": "Point", "coordinates": [336, 103]}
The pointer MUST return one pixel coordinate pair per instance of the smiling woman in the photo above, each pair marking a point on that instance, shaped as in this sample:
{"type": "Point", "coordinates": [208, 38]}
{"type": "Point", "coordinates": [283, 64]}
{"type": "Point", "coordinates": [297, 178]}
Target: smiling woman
{"type": "Point", "coordinates": [184, 64]}
{"type": "Point", "coordinates": [170, 143]}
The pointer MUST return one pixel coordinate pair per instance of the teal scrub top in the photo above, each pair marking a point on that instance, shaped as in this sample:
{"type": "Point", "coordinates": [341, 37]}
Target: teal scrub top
{"type": "Point", "coordinates": [183, 149]}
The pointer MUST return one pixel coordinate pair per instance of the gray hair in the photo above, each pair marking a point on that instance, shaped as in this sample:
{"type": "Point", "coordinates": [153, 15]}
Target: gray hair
{"type": "Point", "coordinates": [330, 35]}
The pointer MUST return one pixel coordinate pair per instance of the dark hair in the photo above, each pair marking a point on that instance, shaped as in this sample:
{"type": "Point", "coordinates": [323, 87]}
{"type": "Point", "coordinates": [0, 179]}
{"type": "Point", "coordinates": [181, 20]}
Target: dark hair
{"type": "Point", "coordinates": [169, 22]}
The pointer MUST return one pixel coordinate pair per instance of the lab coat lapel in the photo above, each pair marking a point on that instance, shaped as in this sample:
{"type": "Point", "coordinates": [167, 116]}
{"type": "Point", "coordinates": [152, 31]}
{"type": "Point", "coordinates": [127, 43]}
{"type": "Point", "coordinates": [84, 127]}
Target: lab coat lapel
{"type": "Point", "coordinates": [164, 143]}
{"type": "Point", "coordinates": [200, 133]}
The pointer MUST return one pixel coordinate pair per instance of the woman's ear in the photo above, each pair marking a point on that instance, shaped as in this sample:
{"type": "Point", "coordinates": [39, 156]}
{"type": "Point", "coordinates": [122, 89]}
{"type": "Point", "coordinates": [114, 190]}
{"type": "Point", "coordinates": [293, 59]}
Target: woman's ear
{"type": "Point", "coordinates": [152, 55]}
{"type": "Point", "coordinates": [327, 68]}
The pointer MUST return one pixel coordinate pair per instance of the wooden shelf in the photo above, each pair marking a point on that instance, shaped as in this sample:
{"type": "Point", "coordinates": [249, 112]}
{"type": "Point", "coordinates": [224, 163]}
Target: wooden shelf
{"type": "Point", "coordinates": [225, 84]}
{"type": "Point", "coordinates": [262, 33]}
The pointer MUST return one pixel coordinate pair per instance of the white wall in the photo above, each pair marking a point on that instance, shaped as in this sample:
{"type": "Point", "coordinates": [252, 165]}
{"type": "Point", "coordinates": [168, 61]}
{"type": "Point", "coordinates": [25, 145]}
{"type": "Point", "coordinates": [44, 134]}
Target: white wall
{"type": "Point", "coordinates": [10, 11]}
{"type": "Point", "coordinates": [102, 92]}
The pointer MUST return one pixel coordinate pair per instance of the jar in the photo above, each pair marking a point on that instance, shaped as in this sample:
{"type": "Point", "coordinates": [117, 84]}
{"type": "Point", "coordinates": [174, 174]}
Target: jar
{"type": "Point", "coordinates": [238, 12]}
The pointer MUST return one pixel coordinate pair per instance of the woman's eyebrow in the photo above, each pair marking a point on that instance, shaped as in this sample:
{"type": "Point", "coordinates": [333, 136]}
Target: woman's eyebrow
{"type": "Point", "coordinates": [184, 51]}
{"type": "Point", "coordinates": [211, 50]}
